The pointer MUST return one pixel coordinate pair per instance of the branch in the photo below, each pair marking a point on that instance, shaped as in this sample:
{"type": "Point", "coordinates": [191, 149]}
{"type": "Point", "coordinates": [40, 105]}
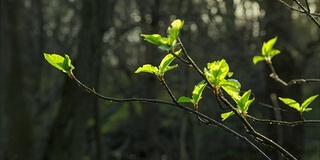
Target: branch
{"type": "Point", "coordinates": [307, 12]}
{"type": "Point", "coordinates": [275, 76]}
{"type": "Point", "coordinates": [285, 123]}
{"type": "Point", "coordinates": [261, 138]}
{"type": "Point", "coordinates": [295, 9]}
{"type": "Point", "coordinates": [249, 129]}
{"type": "Point", "coordinates": [176, 104]}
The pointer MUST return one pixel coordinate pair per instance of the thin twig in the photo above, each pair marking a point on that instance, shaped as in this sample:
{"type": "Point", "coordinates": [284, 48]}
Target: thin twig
{"type": "Point", "coordinates": [275, 76]}
{"type": "Point", "coordinates": [176, 104]}
{"type": "Point", "coordinates": [307, 13]}
{"type": "Point", "coordinates": [295, 9]}
{"type": "Point", "coordinates": [284, 123]}
{"type": "Point", "coordinates": [211, 121]}
{"type": "Point", "coordinates": [250, 130]}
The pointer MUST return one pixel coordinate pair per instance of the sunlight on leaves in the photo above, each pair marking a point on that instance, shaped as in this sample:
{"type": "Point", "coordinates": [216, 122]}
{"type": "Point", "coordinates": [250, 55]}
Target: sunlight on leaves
{"type": "Point", "coordinates": [59, 62]}
{"type": "Point", "coordinates": [166, 43]}
{"type": "Point", "coordinates": [226, 115]}
{"type": "Point", "coordinates": [267, 52]}
{"type": "Point", "coordinates": [196, 94]}
{"type": "Point", "coordinates": [300, 108]}
{"type": "Point", "coordinates": [147, 68]}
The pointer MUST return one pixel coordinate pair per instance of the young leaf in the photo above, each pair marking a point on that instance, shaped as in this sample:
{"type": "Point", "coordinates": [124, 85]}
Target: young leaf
{"type": "Point", "coordinates": [232, 87]}
{"type": "Point", "coordinates": [268, 46]}
{"type": "Point", "coordinates": [197, 91]}
{"type": "Point", "coordinates": [216, 72]}
{"type": "Point", "coordinates": [155, 39]}
{"type": "Point", "coordinates": [226, 115]}
{"type": "Point", "coordinates": [148, 68]}
{"type": "Point", "coordinates": [59, 62]}
{"type": "Point", "coordinates": [290, 102]}
{"type": "Point", "coordinates": [166, 61]}
{"type": "Point", "coordinates": [174, 30]}
{"type": "Point", "coordinates": [257, 59]}
{"type": "Point", "coordinates": [196, 94]}
{"type": "Point", "coordinates": [184, 99]}
{"type": "Point", "coordinates": [245, 102]}
{"type": "Point", "coordinates": [306, 103]}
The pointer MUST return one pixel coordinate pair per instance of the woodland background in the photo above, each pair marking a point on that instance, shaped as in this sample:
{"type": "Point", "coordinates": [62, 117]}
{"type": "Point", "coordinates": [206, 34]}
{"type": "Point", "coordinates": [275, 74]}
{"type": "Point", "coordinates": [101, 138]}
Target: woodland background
{"type": "Point", "coordinates": [45, 115]}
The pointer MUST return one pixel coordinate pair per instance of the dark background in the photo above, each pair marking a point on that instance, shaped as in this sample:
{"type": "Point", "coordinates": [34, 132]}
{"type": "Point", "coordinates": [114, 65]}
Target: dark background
{"type": "Point", "coordinates": [46, 115]}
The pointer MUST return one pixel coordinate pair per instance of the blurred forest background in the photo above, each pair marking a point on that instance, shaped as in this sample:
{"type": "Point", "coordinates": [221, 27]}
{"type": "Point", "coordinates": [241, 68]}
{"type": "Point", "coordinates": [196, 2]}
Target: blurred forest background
{"type": "Point", "coordinates": [46, 116]}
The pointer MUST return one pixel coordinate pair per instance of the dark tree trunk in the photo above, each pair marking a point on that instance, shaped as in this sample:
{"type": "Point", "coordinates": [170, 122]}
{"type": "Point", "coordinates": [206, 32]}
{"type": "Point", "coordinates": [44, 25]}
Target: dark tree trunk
{"type": "Point", "coordinates": [19, 131]}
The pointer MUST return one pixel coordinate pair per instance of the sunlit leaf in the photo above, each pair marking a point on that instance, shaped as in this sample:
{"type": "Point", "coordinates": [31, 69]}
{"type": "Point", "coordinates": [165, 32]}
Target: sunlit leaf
{"type": "Point", "coordinates": [155, 39]}
{"type": "Point", "coordinates": [306, 103]}
{"type": "Point", "coordinates": [274, 52]}
{"type": "Point", "coordinates": [245, 101]}
{"type": "Point", "coordinates": [59, 62]}
{"type": "Point", "coordinates": [268, 46]}
{"type": "Point", "coordinates": [232, 87]}
{"type": "Point", "coordinates": [174, 30]}
{"type": "Point", "coordinates": [226, 115]}
{"type": "Point", "coordinates": [197, 91]}
{"type": "Point", "coordinates": [290, 102]}
{"type": "Point", "coordinates": [257, 59]}
{"type": "Point", "coordinates": [216, 71]}
{"type": "Point", "coordinates": [148, 68]}
{"type": "Point", "coordinates": [166, 61]}
{"type": "Point", "coordinates": [184, 99]}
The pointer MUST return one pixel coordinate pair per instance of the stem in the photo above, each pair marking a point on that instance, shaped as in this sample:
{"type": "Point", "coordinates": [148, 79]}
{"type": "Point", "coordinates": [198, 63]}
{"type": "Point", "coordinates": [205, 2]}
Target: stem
{"type": "Point", "coordinates": [285, 123]}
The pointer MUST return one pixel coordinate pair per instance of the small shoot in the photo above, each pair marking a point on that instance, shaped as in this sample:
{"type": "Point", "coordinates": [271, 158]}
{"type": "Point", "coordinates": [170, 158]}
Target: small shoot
{"type": "Point", "coordinates": [267, 52]}
{"type": "Point", "coordinates": [243, 104]}
{"type": "Point", "coordinates": [61, 63]}
{"type": "Point", "coordinates": [162, 68]}
{"type": "Point", "coordinates": [216, 73]}
{"type": "Point", "coordinates": [196, 95]}
{"type": "Point", "coordinates": [300, 108]}
{"type": "Point", "coordinates": [166, 43]}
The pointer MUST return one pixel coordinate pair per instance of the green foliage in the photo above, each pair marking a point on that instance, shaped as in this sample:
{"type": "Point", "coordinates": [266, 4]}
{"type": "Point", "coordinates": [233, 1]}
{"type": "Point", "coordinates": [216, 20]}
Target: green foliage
{"type": "Point", "coordinates": [59, 62]}
{"type": "Point", "coordinates": [243, 104]}
{"type": "Point", "coordinates": [216, 73]}
{"type": "Point", "coordinates": [300, 108]}
{"type": "Point", "coordinates": [226, 115]}
{"type": "Point", "coordinates": [196, 94]}
{"type": "Point", "coordinates": [166, 43]}
{"type": "Point", "coordinates": [162, 68]}
{"type": "Point", "coordinates": [267, 51]}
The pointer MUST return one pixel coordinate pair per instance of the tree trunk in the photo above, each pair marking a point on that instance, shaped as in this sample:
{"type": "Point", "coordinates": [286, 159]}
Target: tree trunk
{"type": "Point", "coordinates": [19, 135]}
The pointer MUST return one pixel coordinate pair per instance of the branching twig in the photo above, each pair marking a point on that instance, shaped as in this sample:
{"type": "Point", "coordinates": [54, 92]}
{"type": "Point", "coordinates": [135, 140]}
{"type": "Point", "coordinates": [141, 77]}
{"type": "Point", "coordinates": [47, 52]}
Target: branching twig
{"type": "Point", "coordinates": [285, 123]}
{"type": "Point", "coordinates": [176, 104]}
{"type": "Point", "coordinates": [248, 127]}
{"type": "Point", "coordinates": [275, 76]}
{"type": "Point", "coordinates": [307, 12]}
{"type": "Point", "coordinates": [295, 9]}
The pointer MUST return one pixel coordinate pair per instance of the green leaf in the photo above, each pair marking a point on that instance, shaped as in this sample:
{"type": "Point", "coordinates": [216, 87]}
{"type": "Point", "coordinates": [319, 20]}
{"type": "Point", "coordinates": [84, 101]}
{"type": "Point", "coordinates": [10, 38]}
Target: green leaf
{"type": "Point", "coordinates": [231, 86]}
{"type": "Point", "coordinates": [217, 71]}
{"type": "Point", "coordinates": [148, 68]}
{"type": "Point", "coordinates": [226, 115]}
{"type": "Point", "coordinates": [268, 46]}
{"type": "Point", "coordinates": [290, 102]}
{"type": "Point", "coordinates": [274, 52]}
{"type": "Point", "coordinates": [184, 99]}
{"type": "Point", "coordinates": [166, 61]}
{"type": "Point", "coordinates": [244, 101]}
{"type": "Point", "coordinates": [306, 103]}
{"type": "Point", "coordinates": [257, 59]}
{"type": "Point", "coordinates": [59, 62]}
{"type": "Point", "coordinates": [197, 91]}
{"type": "Point", "coordinates": [174, 30]}
{"type": "Point", "coordinates": [155, 39]}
